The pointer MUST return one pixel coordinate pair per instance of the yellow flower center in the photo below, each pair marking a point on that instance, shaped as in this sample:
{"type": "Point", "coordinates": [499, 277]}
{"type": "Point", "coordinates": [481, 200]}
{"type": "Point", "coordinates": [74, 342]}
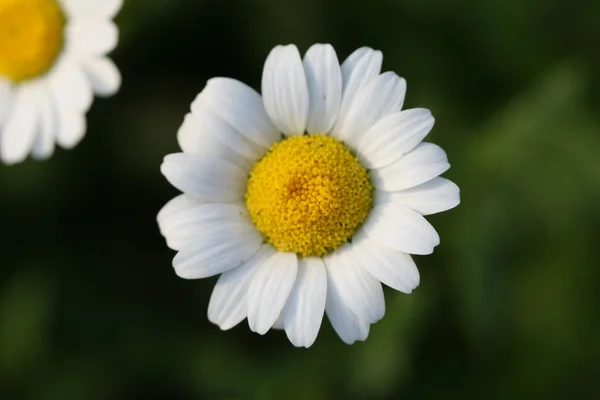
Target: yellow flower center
{"type": "Point", "coordinates": [308, 195]}
{"type": "Point", "coordinates": [31, 37]}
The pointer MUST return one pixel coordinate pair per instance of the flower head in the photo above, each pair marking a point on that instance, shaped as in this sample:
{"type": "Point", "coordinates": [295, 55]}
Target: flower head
{"type": "Point", "coordinates": [52, 61]}
{"type": "Point", "coordinates": [308, 198]}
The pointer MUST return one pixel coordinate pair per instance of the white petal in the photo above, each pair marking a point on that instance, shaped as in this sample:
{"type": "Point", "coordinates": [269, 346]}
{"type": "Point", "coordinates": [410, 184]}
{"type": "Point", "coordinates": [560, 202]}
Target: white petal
{"type": "Point", "coordinates": [44, 144]}
{"type": "Point", "coordinates": [324, 80]}
{"type": "Point", "coordinates": [425, 162]}
{"type": "Point", "coordinates": [73, 96]}
{"type": "Point", "coordinates": [345, 322]}
{"type": "Point", "coordinates": [363, 65]}
{"type": "Point", "coordinates": [381, 97]}
{"type": "Point", "coordinates": [92, 8]}
{"type": "Point", "coordinates": [103, 74]}
{"type": "Point", "coordinates": [70, 128]}
{"type": "Point", "coordinates": [19, 132]}
{"type": "Point", "coordinates": [204, 177]}
{"type": "Point", "coordinates": [241, 107]}
{"type": "Point", "coordinates": [182, 224]}
{"type": "Point", "coordinates": [304, 310]}
{"type": "Point", "coordinates": [174, 209]}
{"type": "Point", "coordinates": [91, 37]}
{"type": "Point", "coordinates": [70, 85]}
{"type": "Point", "coordinates": [358, 70]}
{"type": "Point", "coordinates": [359, 290]}
{"type": "Point", "coordinates": [212, 124]}
{"type": "Point", "coordinates": [216, 250]}
{"type": "Point", "coordinates": [6, 97]}
{"type": "Point", "coordinates": [269, 290]}
{"type": "Point", "coordinates": [278, 324]}
{"type": "Point", "coordinates": [401, 228]}
{"type": "Point", "coordinates": [207, 133]}
{"type": "Point", "coordinates": [431, 197]}
{"type": "Point", "coordinates": [228, 304]}
{"type": "Point", "coordinates": [210, 135]}
{"type": "Point", "coordinates": [393, 136]}
{"type": "Point", "coordinates": [285, 91]}
{"type": "Point", "coordinates": [393, 268]}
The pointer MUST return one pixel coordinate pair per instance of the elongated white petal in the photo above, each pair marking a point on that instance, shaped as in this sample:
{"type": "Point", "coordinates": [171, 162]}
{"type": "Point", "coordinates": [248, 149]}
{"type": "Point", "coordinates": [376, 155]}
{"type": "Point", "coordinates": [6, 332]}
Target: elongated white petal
{"type": "Point", "coordinates": [105, 9]}
{"type": "Point", "coordinates": [91, 37]}
{"type": "Point", "coordinates": [103, 74]}
{"type": "Point", "coordinates": [228, 304]}
{"type": "Point", "coordinates": [278, 324]}
{"type": "Point", "coordinates": [70, 126]}
{"type": "Point", "coordinates": [425, 162]}
{"type": "Point", "coordinates": [381, 97]}
{"type": "Point", "coordinates": [347, 324]}
{"type": "Point", "coordinates": [5, 100]}
{"type": "Point", "coordinates": [210, 131]}
{"type": "Point", "coordinates": [358, 70]}
{"type": "Point", "coordinates": [303, 313]}
{"type": "Point", "coordinates": [212, 124]}
{"type": "Point", "coordinates": [183, 225]}
{"type": "Point", "coordinates": [204, 177]}
{"type": "Point", "coordinates": [193, 137]}
{"type": "Point", "coordinates": [324, 80]}
{"type": "Point", "coordinates": [434, 196]}
{"type": "Point", "coordinates": [241, 107]}
{"type": "Point", "coordinates": [285, 91]}
{"type": "Point", "coordinates": [19, 132]}
{"type": "Point", "coordinates": [269, 290]}
{"type": "Point", "coordinates": [73, 96]}
{"type": "Point", "coordinates": [393, 268]}
{"type": "Point", "coordinates": [175, 209]}
{"type": "Point", "coordinates": [70, 85]}
{"type": "Point", "coordinates": [360, 291]}
{"type": "Point", "coordinates": [209, 135]}
{"type": "Point", "coordinates": [44, 144]}
{"type": "Point", "coordinates": [216, 250]}
{"type": "Point", "coordinates": [393, 136]}
{"type": "Point", "coordinates": [401, 228]}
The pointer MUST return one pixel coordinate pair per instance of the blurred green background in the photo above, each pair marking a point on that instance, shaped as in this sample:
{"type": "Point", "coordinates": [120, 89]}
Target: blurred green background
{"type": "Point", "coordinates": [508, 306]}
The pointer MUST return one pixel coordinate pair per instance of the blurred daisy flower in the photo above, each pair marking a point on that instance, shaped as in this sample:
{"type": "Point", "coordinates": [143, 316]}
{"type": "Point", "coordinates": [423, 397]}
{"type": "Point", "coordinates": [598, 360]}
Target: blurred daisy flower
{"type": "Point", "coordinates": [52, 61]}
{"type": "Point", "coordinates": [308, 198]}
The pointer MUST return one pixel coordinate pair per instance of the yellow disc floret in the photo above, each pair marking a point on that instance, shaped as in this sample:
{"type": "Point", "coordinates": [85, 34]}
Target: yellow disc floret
{"type": "Point", "coordinates": [308, 195]}
{"type": "Point", "coordinates": [31, 37]}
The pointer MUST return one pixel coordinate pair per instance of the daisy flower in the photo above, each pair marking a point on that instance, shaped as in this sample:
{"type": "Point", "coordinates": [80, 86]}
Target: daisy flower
{"type": "Point", "coordinates": [52, 61]}
{"type": "Point", "coordinates": [308, 198]}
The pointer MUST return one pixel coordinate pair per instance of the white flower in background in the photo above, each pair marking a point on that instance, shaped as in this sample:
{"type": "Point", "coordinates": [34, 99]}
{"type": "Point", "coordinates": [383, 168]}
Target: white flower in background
{"type": "Point", "coordinates": [307, 199]}
{"type": "Point", "coordinates": [52, 61]}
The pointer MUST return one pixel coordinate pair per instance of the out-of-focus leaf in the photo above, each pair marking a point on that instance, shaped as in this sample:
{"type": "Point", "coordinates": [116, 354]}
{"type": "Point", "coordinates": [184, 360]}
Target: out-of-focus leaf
{"type": "Point", "coordinates": [383, 364]}
{"type": "Point", "coordinates": [26, 305]}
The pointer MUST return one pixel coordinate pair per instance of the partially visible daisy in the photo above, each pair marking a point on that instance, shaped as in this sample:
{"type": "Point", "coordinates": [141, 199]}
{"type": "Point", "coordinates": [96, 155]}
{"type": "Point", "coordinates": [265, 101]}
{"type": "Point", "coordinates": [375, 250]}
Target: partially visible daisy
{"type": "Point", "coordinates": [307, 199]}
{"type": "Point", "coordinates": [52, 61]}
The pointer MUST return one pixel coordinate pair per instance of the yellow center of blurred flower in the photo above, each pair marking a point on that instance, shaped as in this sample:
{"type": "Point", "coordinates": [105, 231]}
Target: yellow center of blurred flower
{"type": "Point", "coordinates": [31, 37]}
{"type": "Point", "coordinates": [308, 195]}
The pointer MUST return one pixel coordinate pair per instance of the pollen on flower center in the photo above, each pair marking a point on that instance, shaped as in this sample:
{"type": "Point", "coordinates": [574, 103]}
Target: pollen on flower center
{"type": "Point", "coordinates": [31, 37]}
{"type": "Point", "coordinates": [308, 195]}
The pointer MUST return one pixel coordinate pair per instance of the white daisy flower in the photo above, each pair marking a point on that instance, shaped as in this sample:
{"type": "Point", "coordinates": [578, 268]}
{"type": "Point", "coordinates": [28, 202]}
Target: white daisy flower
{"type": "Point", "coordinates": [52, 61]}
{"type": "Point", "coordinates": [307, 199]}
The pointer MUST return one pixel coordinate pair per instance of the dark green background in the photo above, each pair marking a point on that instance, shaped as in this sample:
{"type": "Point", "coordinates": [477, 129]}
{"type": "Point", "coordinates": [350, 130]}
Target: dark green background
{"type": "Point", "coordinates": [508, 306]}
